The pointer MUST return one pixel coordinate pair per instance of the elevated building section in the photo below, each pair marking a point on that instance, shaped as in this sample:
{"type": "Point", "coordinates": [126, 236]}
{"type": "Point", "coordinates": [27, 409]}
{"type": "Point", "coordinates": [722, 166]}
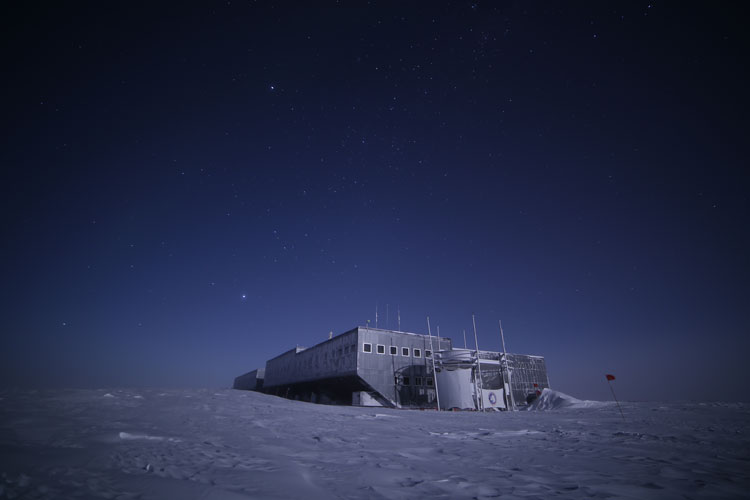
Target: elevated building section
{"type": "Point", "coordinates": [389, 365]}
{"type": "Point", "coordinates": [398, 365]}
{"type": "Point", "coordinates": [251, 381]}
{"type": "Point", "coordinates": [390, 368]}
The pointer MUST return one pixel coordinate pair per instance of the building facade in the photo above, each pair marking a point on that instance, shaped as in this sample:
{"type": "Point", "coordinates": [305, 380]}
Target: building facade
{"type": "Point", "coordinates": [371, 366]}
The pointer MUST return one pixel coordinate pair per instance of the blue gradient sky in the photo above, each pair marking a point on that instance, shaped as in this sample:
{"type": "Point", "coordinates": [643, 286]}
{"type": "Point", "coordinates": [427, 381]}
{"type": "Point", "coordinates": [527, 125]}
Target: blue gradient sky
{"type": "Point", "coordinates": [190, 191]}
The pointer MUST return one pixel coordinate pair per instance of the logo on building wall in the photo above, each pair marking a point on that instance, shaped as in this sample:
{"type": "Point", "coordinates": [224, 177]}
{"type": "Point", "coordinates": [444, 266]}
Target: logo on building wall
{"type": "Point", "coordinates": [492, 398]}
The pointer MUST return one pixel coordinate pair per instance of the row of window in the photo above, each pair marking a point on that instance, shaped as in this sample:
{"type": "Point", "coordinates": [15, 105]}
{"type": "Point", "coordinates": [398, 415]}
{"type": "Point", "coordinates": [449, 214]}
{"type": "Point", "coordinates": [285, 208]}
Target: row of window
{"type": "Point", "coordinates": [418, 381]}
{"type": "Point", "coordinates": [380, 349]}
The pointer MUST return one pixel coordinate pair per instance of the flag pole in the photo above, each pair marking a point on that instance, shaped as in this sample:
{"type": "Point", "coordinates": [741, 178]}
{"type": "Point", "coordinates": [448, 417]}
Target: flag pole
{"type": "Point", "coordinates": [610, 378]}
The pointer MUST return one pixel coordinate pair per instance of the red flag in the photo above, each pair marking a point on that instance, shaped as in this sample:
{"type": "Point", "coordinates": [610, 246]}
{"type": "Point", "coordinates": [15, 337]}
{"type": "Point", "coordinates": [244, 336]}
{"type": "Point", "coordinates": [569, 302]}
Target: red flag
{"type": "Point", "coordinates": [610, 377]}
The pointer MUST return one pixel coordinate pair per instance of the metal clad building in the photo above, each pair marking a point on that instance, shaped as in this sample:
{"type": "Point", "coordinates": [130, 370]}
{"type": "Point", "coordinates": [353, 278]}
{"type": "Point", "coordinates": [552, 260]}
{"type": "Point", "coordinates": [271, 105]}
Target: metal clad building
{"type": "Point", "coordinates": [395, 364]}
{"type": "Point", "coordinates": [251, 381]}
{"type": "Point", "coordinates": [528, 374]}
{"type": "Point", "coordinates": [389, 367]}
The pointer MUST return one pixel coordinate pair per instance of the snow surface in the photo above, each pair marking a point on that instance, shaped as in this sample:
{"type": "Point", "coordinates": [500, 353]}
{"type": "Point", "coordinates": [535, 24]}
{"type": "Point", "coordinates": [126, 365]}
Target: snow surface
{"type": "Point", "coordinates": [208, 444]}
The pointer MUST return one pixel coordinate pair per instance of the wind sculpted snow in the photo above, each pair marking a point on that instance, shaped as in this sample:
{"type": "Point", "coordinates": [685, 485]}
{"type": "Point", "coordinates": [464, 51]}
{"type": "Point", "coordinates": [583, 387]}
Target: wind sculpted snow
{"type": "Point", "coordinates": [225, 444]}
{"type": "Point", "coordinates": [556, 400]}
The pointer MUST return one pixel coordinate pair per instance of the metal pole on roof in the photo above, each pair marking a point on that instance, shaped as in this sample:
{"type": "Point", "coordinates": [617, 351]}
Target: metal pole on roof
{"type": "Point", "coordinates": [398, 309]}
{"type": "Point", "coordinates": [376, 314]}
{"type": "Point", "coordinates": [434, 373]}
{"type": "Point", "coordinates": [505, 362]}
{"type": "Point", "coordinates": [464, 338]}
{"type": "Point", "coordinates": [480, 401]}
{"type": "Point", "coordinates": [476, 390]}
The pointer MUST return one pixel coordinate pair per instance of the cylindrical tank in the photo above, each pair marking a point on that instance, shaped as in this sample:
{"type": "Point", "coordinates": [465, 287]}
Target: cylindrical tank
{"type": "Point", "coordinates": [454, 379]}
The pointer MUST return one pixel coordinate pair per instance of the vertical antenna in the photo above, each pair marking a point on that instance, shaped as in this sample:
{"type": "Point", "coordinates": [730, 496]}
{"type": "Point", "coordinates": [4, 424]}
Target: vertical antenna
{"type": "Point", "coordinates": [376, 314]}
{"type": "Point", "coordinates": [464, 338]}
{"type": "Point", "coordinates": [479, 367]}
{"type": "Point", "coordinates": [434, 374]}
{"type": "Point", "coordinates": [387, 318]}
{"type": "Point", "coordinates": [398, 309]}
{"type": "Point", "coordinates": [505, 362]}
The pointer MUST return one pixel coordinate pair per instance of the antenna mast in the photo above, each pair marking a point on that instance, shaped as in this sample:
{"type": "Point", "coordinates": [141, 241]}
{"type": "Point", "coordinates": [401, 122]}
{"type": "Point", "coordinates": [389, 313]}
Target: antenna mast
{"type": "Point", "coordinates": [480, 401]}
{"type": "Point", "coordinates": [434, 374]}
{"type": "Point", "coordinates": [398, 310]}
{"type": "Point", "coordinates": [376, 314]}
{"type": "Point", "coordinates": [505, 362]}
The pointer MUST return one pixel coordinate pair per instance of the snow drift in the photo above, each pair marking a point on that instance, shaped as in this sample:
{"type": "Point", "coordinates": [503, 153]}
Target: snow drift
{"type": "Point", "coordinates": [556, 400]}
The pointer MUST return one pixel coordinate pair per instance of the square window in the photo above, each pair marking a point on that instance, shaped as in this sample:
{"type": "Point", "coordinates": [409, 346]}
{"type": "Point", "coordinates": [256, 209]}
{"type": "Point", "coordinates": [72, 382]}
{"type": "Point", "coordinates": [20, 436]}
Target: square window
{"type": "Point", "coordinates": [366, 347]}
{"type": "Point", "coordinates": [427, 353]}
{"type": "Point", "coordinates": [418, 380]}
{"type": "Point", "coordinates": [381, 349]}
{"type": "Point", "coordinates": [394, 350]}
{"type": "Point", "coordinates": [406, 380]}
{"type": "Point", "coordinates": [417, 353]}
{"type": "Point", "coordinates": [404, 351]}
{"type": "Point", "coordinates": [429, 382]}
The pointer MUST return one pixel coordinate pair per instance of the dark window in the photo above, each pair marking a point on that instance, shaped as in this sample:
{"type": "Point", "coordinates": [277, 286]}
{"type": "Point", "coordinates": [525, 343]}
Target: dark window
{"type": "Point", "coordinates": [406, 380]}
{"type": "Point", "coordinates": [366, 347]}
{"type": "Point", "coordinates": [394, 350]}
{"type": "Point", "coordinates": [417, 353]}
{"type": "Point", "coordinates": [404, 351]}
{"type": "Point", "coordinates": [381, 349]}
{"type": "Point", "coordinates": [429, 382]}
{"type": "Point", "coordinates": [417, 380]}
{"type": "Point", "coordinates": [427, 353]}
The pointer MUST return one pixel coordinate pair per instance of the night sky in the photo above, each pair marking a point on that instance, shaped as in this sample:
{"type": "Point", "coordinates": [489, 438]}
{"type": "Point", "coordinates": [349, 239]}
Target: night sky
{"type": "Point", "coordinates": [188, 191]}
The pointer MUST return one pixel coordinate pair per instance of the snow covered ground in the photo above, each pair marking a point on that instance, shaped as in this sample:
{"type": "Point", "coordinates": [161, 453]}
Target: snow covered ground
{"type": "Point", "coordinates": [225, 444]}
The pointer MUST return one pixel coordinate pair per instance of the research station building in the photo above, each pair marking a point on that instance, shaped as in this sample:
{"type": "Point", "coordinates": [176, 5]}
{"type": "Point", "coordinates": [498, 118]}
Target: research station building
{"type": "Point", "coordinates": [376, 367]}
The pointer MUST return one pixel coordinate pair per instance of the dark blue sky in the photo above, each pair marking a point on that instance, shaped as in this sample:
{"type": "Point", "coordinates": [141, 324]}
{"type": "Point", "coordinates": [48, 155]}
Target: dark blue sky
{"type": "Point", "coordinates": [189, 191]}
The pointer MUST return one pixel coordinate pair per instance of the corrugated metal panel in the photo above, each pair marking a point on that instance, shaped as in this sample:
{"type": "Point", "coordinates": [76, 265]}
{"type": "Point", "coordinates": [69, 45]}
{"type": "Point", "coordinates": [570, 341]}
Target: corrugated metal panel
{"type": "Point", "coordinates": [251, 381]}
{"type": "Point", "coordinates": [333, 358]}
{"type": "Point", "coordinates": [404, 377]}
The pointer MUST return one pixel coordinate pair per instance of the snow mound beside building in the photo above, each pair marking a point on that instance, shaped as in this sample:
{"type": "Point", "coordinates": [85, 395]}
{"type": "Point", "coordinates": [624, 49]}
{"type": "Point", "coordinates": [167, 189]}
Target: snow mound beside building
{"type": "Point", "coordinates": [556, 400]}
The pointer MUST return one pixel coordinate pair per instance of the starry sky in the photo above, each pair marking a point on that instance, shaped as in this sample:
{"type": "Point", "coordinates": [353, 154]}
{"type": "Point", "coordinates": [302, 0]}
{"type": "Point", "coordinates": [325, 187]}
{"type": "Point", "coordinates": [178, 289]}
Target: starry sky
{"type": "Point", "coordinates": [190, 190]}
